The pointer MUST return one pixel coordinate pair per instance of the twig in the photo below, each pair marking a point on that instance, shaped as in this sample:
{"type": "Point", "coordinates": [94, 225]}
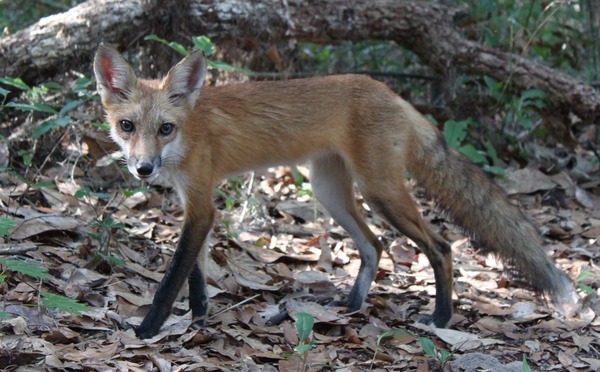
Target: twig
{"type": "Point", "coordinates": [248, 194]}
{"type": "Point", "coordinates": [9, 249]}
{"type": "Point", "coordinates": [234, 306]}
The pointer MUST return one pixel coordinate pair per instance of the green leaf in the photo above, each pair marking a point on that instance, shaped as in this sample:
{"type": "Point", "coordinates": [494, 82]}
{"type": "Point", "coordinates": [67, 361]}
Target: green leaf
{"type": "Point", "coordinates": [532, 97]}
{"type": "Point", "coordinates": [203, 43]}
{"type": "Point", "coordinates": [586, 288]}
{"type": "Point", "coordinates": [25, 268]}
{"type": "Point", "coordinates": [15, 82]}
{"type": "Point", "coordinates": [17, 175]}
{"type": "Point", "coordinates": [110, 222]}
{"type": "Point", "coordinates": [101, 195]}
{"type": "Point", "coordinates": [229, 201]}
{"type": "Point", "coordinates": [35, 107]}
{"type": "Point", "coordinates": [173, 45]}
{"type": "Point", "coordinates": [44, 108]}
{"type": "Point", "coordinates": [584, 274]}
{"type": "Point", "coordinates": [227, 67]}
{"type": "Point", "coordinates": [301, 349]}
{"type": "Point", "coordinates": [525, 364]}
{"type": "Point", "coordinates": [492, 85]}
{"type": "Point", "coordinates": [472, 154]}
{"type": "Point", "coordinates": [26, 155]}
{"type": "Point", "coordinates": [81, 84]}
{"type": "Point", "coordinates": [455, 132]}
{"type": "Point", "coordinates": [394, 333]}
{"type": "Point", "coordinates": [5, 315]}
{"type": "Point", "coordinates": [428, 347]}
{"type": "Point", "coordinates": [533, 93]}
{"type": "Point", "coordinates": [112, 259]}
{"type": "Point", "coordinates": [444, 355]}
{"type": "Point", "coordinates": [103, 126]}
{"type": "Point", "coordinates": [69, 106]}
{"type": "Point", "coordinates": [498, 171]}
{"type": "Point", "coordinates": [304, 324]}
{"type": "Point", "coordinates": [304, 192]}
{"type": "Point", "coordinates": [4, 92]}
{"type": "Point", "coordinates": [63, 303]}
{"type": "Point", "coordinates": [84, 191]}
{"type": "Point", "coordinates": [53, 85]}
{"type": "Point", "coordinates": [130, 193]}
{"type": "Point", "coordinates": [50, 124]}
{"type": "Point", "coordinates": [155, 38]}
{"type": "Point", "coordinates": [432, 120]}
{"type": "Point", "coordinates": [43, 185]}
{"type": "Point", "coordinates": [5, 225]}
{"type": "Point", "coordinates": [491, 151]}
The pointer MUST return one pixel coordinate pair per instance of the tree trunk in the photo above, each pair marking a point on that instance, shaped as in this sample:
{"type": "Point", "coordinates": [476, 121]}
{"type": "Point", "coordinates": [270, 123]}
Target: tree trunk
{"type": "Point", "coordinates": [427, 29]}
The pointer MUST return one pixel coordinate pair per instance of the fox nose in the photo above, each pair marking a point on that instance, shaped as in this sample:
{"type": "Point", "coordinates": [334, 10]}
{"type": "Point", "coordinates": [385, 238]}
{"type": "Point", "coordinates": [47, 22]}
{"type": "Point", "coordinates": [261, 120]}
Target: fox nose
{"type": "Point", "coordinates": [144, 169]}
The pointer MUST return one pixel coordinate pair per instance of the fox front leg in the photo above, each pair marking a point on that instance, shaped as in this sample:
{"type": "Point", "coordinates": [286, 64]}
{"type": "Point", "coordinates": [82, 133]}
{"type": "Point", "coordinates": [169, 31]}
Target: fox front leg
{"type": "Point", "coordinates": [198, 294]}
{"type": "Point", "coordinates": [183, 266]}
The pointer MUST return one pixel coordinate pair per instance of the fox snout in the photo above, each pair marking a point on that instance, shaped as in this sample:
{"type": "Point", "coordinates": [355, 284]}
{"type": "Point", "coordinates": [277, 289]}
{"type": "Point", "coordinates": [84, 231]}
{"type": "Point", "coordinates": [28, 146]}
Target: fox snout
{"type": "Point", "coordinates": [144, 169]}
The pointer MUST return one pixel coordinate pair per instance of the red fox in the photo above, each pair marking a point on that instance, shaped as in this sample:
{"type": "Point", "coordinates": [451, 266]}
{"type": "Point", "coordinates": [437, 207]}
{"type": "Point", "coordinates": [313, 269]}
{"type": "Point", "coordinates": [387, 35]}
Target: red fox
{"type": "Point", "coordinates": [353, 130]}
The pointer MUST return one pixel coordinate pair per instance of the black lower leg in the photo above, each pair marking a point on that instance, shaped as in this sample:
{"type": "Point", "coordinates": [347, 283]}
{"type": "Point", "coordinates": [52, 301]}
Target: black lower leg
{"type": "Point", "coordinates": [442, 270]}
{"type": "Point", "coordinates": [198, 297]}
{"type": "Point", "coordinates": [179, 269]}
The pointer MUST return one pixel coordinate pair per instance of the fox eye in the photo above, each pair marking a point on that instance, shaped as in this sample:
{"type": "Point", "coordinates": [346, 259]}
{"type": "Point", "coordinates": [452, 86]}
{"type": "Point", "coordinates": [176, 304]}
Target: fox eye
{"type": "Point", "coordinates": [126, 126]}
{"type": "Point", "coordinates": [166, 129]}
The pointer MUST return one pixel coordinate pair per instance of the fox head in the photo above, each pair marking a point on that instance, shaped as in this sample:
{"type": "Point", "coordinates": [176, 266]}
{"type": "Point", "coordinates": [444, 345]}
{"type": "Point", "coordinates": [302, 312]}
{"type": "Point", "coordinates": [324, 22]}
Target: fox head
{"type": "Point", "coordinates": [146, 116]}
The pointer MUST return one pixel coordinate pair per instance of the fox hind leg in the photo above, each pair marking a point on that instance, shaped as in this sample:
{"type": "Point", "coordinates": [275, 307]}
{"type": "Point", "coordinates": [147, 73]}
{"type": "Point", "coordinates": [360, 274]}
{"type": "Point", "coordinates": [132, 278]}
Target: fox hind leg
{"type": "Point", "coordinates": [332, 185]}
{"type": "Point", "coordinates": [394, 203]}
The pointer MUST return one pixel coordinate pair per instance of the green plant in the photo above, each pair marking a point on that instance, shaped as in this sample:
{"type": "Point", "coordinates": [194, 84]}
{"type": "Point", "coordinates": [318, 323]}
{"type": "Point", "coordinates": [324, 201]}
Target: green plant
{"type": "Point", "coordinates": [62, 303]}
{"type": "Point", "coordinates": [24, 268]}
{"type": "Point", "coordinates": [230, 202]}
{"type": "Point", "coordinates": [48, 105]}
{"type": "Point", "coordinates": [440, 357]}
{"type": "Point", "coordinates": [521, 110]}
{"type": "Point", "coordinates": [227, 225]}
{"type": "Point", "coordinates": [15, 15]}
{"type": "Point", "coordinates": [54, 114]}
{"type": "Point", "coordinates": [559, 32]}
{"type": "Point", "coordinates": [304, 323]}
{"type": "Point", "coordinates": [5, 225]}
{"type": "Point", "coordinates": [200, 43]}
{"type": "Point", "coordinates": [103, 236]}
{"type": "Point", "coordinates": [388, 334]}
{"type": "Point", "coordinates": [525, 364]}
{"type": "Point", "coordinates": [48, 300]}
{"type": "Point", "coordinates": [455, 133]}
{"type": "Point", "coordinates": [20, 267]}
{"type": "Point", "coordinates": [584, 287]}
{"type": "Point", "coordinates": [86, 191]}
{"type": "Point", "coordinates": [31, 185]}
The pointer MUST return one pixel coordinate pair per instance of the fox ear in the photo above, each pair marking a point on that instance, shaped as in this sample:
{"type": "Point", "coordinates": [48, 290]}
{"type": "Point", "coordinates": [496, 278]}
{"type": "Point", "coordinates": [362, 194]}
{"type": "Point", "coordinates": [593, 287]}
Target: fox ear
{"type": "Point", "coordinates": [115, 78]}
{"type": "Point", "coordinates": [184, 81]}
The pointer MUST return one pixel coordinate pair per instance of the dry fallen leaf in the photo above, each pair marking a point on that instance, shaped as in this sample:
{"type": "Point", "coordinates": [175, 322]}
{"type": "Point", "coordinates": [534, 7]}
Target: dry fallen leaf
{"type": "Point", "coordinates": [464, 341]}
{"type": "Point", "coordinates": [43, 223]}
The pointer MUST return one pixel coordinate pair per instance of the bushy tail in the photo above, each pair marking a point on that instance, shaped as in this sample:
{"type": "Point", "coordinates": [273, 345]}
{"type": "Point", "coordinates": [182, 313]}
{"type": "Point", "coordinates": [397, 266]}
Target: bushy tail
{"type": "Point", "coordinates": [478, 205]}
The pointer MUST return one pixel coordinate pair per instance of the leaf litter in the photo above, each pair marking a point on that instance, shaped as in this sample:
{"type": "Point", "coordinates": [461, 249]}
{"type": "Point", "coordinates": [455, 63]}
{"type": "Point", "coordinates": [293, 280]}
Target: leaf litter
{"type": "Point", "coordinates": [109, 249]}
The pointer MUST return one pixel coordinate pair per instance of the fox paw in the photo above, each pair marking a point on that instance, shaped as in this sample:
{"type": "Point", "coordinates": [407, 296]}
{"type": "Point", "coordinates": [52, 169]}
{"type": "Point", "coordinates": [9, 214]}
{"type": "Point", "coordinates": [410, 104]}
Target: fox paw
{"type": "Point", "coordinates": [433, 320]}
{"type": "Point", "coordinates": [146, 332]}
{"type": "Point", "coordinates": [198, 323]}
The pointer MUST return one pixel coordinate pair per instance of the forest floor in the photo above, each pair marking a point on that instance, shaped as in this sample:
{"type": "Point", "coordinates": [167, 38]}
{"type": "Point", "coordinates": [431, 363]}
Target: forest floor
{"type": "Point", "coordinates": [274, 254]}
